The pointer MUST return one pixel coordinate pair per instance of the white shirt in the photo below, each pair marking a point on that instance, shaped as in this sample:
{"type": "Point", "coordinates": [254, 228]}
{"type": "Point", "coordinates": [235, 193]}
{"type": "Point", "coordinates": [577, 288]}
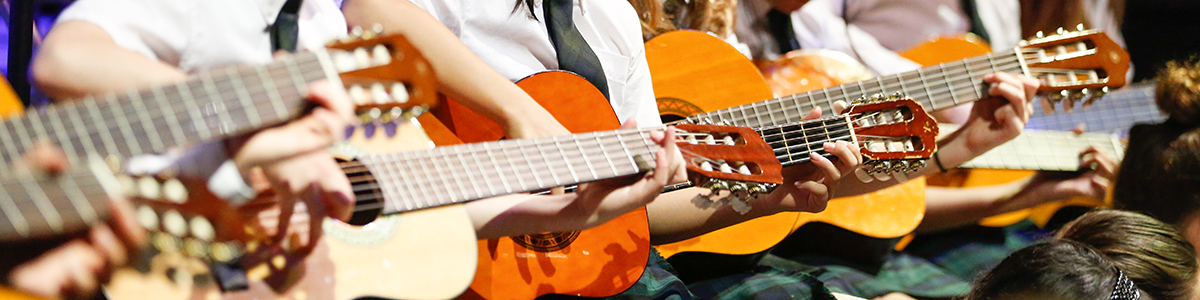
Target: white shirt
{"type": "Point", "coordinates": [200, 35]}
{"type": "Point", "coordinates": [877, 29]}
{"type": "Point", "coordinates": [517, 45]}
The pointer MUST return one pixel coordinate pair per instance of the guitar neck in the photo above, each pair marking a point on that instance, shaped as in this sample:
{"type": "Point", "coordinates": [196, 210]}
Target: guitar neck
{"type": "Point", "coordinates": [937, 87]}
{"type": "Point", "coordinates": [43, 206]}
{"type": "Point", "coordinates": [207, 106]}
{"type": "Point", "coordinates": [455, 174]}
{"type": "Point", "coordinates": [408, 181]}
{"type": "Point", "coordinates": [1046, 151]}
{"type": "Point", "coordinates": [1120, 110]}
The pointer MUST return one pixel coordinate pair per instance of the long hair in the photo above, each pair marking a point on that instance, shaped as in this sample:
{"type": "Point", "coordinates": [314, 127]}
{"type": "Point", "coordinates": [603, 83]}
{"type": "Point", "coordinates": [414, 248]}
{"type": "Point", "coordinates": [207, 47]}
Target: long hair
{"type": "Point", "coordinates": [1155, 256]}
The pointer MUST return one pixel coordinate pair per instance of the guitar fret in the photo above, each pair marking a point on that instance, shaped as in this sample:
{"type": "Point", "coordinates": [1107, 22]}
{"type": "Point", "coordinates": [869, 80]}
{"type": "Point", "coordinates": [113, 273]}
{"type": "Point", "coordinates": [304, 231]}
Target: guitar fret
{"type": "Point", "coordinates": [566, 160]}
{"type": "Point", "coordinates": [529, 164]}
{"type": "Point", "coordinates": [67, 143]}
{"type": "Point", "coordinates": [464, 171]}
{"type": "Point", "coordinates": [437, 167]}
{"type": "Point", "coordinates": [553, 172]}
{"type": "Point", "coordinates": [628, 155]}
{"type": "Point", "coordinates": [78, 201]}
{"type": "Point", "coordinates": [928, 93]}
{"type": "Point", "coordinates": [168, 112]}
{"type": "Point", "coordinates": [189, 101]}
{"type": "Point", "coordinates": [13, 212]}
{"type": "Point", "coordinates": [298, 82]}
{"type": "Point", "coordinates": [35, 121]}
{"type": "Point", "coordinates": [272, 92]}
{"type": "Point", "coordinates": [42, 203]}
{"type": "Point", "coordinates": [428, 189]}
{"type": "Point", "coordinates": [949, 86]}
{"type": "Point", "coordinates": [14, 152]}
{"type": "Point", "coordinates": [411, 201]}
{"type": "Point", "coordinates": [586, 160]}
{"type": "Point", "coordinates": [123, 125]}
{"type": "Point", "coordinates": [104, 128]}
{"type": "Point", "coordinates": [978, 94]}
{"type": "Point", "coordinates": [147, 122]}
{"type": "Point", "coordinates": [239, 87]}
{"type": "Point", "coordinates": [612, 166]}
{"type": "Point", "coordinates": [22, 134]}
{"type": "Point", "coordinates": [217, 107]}
{"type": "Point", "coordinates": [491, 156]}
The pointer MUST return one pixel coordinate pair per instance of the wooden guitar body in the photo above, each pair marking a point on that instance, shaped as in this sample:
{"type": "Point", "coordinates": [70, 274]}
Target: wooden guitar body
{"type": "Point", "coordinates": [597, 262]}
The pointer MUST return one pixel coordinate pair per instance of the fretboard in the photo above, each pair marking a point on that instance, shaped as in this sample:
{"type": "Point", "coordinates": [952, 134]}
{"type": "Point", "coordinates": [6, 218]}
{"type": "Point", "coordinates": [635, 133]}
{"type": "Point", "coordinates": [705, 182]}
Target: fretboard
{"type": "Point", "coordinates": [43, 206]}
{"type": "Point", "coordinates": [456, 174]}
{"type": "Point", "coordinates": [936, 88]}
{"type": "Point", "coordinates": [1046, 151]}
{"type": "Point", "coordinates": [1117, 112]}
{"type": "Point", "coordinates": [207, 106]}
{"type": "Point", "coordinates": [793, 142]}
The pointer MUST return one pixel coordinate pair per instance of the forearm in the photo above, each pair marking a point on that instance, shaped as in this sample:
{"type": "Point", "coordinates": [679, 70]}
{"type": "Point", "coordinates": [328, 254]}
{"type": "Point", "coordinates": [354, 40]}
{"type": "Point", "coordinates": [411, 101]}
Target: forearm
{"type": "Point", "coordinates": [461, 74]}
{"type": "Point", "coordinates": [947, 208]}
{"type": "Point", "coordinates": [79, 58]}
{"type": "Point", "coordinates": [675, 216]}
{"type": "Point", "coordinates": [519, 214]}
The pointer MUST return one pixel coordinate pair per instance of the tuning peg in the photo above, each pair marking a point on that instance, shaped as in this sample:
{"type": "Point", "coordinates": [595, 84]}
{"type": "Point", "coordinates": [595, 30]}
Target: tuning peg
{"type": "Point", "coordinates": [862, 175]}
{"type": "Point", "coordinates": [399, 93]}
{"type": "Point", "coordinates": [1079, 27]}
{"type": "Point", "coordinates": [148, 187]}
{"type": "Point", "coordinates": [174, 190]}
{"type": "Point", "coordinates": [744, 170]}
{"type": "Point", "coordinates": [147, 217]}
{"type": "Point", "coordinates": [380, 55]}
{"type": "Point", "coordinates": [725, 168]}
{"type": "Point", "coordinates": [882, 167]}
{"type": "Point", "coordinates": [717, 185]}
{"type": "Point", "coordinates": [740, 206]}
{"type": "Point", "coordinates": [362, 59]}
{"type": "Point", "coordinates": [900, 177]}
{"type": "Point", "coordinates": [728, 140]}
{"type": "Point", "coordinates": [1040, 34]}
{"type": "Point", "coordinates": [691, 139]}
{"type": "Point", "coordinates": [877, 97]}
{"type": "Point", "coordinates": [916, 165]}
{"type": "Point", "coordinates": [1095, 95]}
{"type": "Point", "coordinates": [174, 224]}
{"type": "Point", "coordinates": [356, 33]}
{"type": "Point", "coordinates": [738, 187]}
{"type": "Point", "coordinates": [710, 140]}
{"type": "Point", "coordinates": [1060, 30]}
{"type": "Point", "coordinates": [706, 166]}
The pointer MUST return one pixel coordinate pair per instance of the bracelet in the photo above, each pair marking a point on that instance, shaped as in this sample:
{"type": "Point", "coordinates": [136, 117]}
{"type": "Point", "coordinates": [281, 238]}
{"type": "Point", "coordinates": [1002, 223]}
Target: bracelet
{"type": "Point", "coordinates": [938, 162]}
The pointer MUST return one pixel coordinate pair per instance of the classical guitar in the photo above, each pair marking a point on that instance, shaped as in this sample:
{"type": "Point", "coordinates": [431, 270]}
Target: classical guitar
{"type": "Point", "coordinates": [377, 259]}
{"type": "Point", "coordinates": [208, 106]}
{"type": "Point", "coordinates": [712, 82]}
{"type": "Point", "coordinates": [1121, 109]}
{"type": "Point", "coordinates": [1033, 150]}
{"type": "Point", "coordinates": [609, 258]}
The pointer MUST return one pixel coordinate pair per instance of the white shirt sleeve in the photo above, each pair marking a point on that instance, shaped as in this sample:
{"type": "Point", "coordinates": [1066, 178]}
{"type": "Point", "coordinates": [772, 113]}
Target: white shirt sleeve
{"type": "Point", "coordinates": [639, 89]}
{"type": "Point", "coordinates": [156, 29]}
{"type": "Point", "coordinates": [819, 25]}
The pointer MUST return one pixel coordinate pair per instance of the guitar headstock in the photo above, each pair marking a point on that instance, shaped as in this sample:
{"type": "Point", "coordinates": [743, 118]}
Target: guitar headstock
{"type": "Point", "coordinates": [894, 134]}
{"type": "Point", "coordinates": [1074, 65]}
{"type": "Point", "coordinates": [385, 76]}
{"type": "Point", "coordinates": [726, 158]}
{"type": "Point", "coordinates": [198, 239]}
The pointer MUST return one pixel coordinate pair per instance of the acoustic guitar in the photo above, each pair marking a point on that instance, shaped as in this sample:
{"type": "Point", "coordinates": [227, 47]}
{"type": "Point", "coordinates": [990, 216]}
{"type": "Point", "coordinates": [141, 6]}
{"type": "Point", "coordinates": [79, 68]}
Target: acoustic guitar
{"type": "Point", "coordinates": [207, 106]}
{"type": "Point", "coordinates": [713, 83]}
{"type": "Point", "coordinates": [606, 260]}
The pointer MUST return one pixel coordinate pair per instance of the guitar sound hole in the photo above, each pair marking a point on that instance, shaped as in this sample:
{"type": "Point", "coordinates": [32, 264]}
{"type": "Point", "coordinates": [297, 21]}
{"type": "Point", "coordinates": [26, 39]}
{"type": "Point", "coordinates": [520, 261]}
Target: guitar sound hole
{"type": "Point", "coordinates": [546, 242]}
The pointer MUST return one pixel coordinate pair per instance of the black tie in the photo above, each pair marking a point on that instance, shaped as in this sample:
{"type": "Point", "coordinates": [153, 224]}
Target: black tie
{"type": "Point", "coordinates": [781, 29]}
{"type": "Point", "coordinates": [284, 30]}
{"type": "Point", "coordinates": [574, 54]}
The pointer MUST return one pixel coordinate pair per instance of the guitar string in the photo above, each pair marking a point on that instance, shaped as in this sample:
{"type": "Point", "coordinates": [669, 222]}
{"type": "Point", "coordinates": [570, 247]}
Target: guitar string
{"type": "Point", "coordinates": [919, 82]}
{"type": "Point", "coordinates": [134, 122]}
{"type": "Point", "coordinates": [378, 196]}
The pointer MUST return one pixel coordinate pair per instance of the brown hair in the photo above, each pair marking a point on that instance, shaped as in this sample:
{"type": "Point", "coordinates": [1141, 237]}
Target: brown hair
{"type": "Point", "coordinates": [1160, 175]}
{"type": "Point", "coordinates": [1055, 269]}
{"type": "Point", "coordinates": [654, 20]}
{"type": "Point", "coordinates": [1156, 257]}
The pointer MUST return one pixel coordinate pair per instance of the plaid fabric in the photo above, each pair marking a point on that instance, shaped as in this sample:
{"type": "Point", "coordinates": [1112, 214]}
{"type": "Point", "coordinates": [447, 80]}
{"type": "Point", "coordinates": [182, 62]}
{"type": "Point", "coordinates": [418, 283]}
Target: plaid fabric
{"type": "Point", "coordinates": [774, 278]}
{"type": "Point", "coordinates": [658, 282]}
{"type": "Point", "coordinates": [901, 272]}
{"type": "Point", "coordinates": [970, 256]}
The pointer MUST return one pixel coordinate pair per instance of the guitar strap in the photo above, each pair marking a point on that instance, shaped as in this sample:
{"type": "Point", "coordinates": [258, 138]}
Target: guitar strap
{"type": "Point", "coordinates": [285, 30]}
{"type": "Point", "coordinates": [968, 7]}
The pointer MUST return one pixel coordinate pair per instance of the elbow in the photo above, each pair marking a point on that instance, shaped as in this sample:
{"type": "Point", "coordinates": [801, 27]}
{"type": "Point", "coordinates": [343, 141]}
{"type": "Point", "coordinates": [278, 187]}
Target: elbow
{"type": "Point", "coordinates": [50, 71]}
